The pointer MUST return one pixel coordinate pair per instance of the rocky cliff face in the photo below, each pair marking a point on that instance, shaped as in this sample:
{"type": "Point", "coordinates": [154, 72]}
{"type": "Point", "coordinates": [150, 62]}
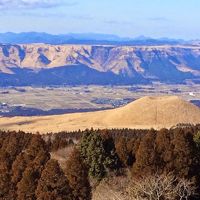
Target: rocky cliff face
{"type": "Point", "coordinates": [161, 63]}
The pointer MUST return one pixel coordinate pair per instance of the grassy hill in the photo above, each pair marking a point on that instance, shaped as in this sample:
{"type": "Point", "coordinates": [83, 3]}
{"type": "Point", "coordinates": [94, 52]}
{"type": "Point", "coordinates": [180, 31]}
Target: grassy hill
{"type": "Point", "coordinates": [145, 113]}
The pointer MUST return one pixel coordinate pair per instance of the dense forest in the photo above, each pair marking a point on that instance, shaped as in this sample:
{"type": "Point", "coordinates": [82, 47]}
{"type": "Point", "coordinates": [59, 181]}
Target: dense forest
{"type": "Point", "coordinates": [161, 164]}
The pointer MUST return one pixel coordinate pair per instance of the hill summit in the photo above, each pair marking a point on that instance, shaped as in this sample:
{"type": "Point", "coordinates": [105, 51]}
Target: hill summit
{"type": "Point", "coordinates": [164, 111]}
{"type": "Point", "coordinates": [147, 112]}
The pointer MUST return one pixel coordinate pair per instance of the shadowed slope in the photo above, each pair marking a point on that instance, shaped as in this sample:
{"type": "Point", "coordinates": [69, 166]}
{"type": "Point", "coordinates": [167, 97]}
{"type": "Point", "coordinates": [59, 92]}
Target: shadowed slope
{"type": "Point", "coordinates": [140, 64]}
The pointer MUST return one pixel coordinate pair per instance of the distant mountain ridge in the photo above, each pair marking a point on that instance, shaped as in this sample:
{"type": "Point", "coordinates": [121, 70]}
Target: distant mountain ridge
{"type": "Point", "coordinates": [44, 64]}
{"type": "Point", "coordinates": [81, 38]}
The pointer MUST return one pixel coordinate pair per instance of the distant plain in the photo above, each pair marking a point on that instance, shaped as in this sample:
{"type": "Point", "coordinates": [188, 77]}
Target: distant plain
{"type": "Point", "coordinates": [90, 97]}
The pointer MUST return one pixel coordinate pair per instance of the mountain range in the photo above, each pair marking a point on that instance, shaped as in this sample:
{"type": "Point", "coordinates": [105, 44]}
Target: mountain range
{"type": "Point", "coordinates": [45, 64]}
{"type": "Point", "coordinates": [82, 38]}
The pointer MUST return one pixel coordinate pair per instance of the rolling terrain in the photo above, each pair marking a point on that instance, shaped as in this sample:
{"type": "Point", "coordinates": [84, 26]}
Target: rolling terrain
{"type": "Point", "coordinates": [145, 113]}
{"type": "Point", "coordinates": [45, 64]}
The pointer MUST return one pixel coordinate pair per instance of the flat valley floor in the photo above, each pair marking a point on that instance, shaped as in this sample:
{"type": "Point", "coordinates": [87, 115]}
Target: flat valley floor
{"type": "Point", "coordinates": [85, 97]}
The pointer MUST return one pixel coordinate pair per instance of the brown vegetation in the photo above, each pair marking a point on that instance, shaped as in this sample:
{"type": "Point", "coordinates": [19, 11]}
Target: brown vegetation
{"type": "Point", "coordinates": [148, 156]}
{"type": "Point", "coordinates": [145, 113]}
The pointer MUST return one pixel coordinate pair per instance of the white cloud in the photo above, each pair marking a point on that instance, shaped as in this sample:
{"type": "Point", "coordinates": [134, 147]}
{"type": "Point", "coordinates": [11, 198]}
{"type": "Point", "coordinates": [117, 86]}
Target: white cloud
{"type": "Point", "coordinates": [10, 4]}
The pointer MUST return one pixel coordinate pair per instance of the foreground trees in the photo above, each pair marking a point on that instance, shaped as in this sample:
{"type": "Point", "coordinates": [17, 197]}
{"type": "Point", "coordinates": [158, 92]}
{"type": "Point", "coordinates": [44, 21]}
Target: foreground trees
{"type": "Point", "coordinates": [166, 160]}
{"type": "Point", "coordinates": [93, 153]}
{"type": "Point", "coordinates": [158, 187]}
{"type": "Point", "coordinates": [53, 183]}
{"type": "Point", "coordinates": [4, 175]}
{"type": "Point", "coordinates": [77, 174]}
{"type": "Point", "coordinates": [27, 173]}
{"type": "Point", "coordinates": [99, 154]}
{"type": "Point", "coordinates": [28, 184]}
{"type": "Point", "coordinates": [146, 156]}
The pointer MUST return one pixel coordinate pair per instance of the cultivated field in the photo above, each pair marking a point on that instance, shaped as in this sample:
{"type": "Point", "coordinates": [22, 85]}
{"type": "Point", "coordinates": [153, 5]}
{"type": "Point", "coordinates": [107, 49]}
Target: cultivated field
{"type": "Point", "coordinates": [90, 97]}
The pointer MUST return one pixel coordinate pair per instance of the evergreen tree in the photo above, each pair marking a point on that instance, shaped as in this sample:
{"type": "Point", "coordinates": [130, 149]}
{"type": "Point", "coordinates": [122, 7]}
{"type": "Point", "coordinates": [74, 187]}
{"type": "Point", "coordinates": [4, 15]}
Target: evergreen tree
{"type": "Point", "coordinates": [146, 156]}
{"type": "Point", "coordinates": [4, 183]}
{"type": "Point", "coordinates": [185, 161]}
{"type": "Point", "coordinates": [77, 174]}
{"type": "Point", "coordinates": [122, 151]}
{"type": "Point", "coordinates": [164, 149]}
{"type": "Point", "coordinates": [112, 161]}
{"type": "Point", "coordinates": [28, 184]}
{"type": "Point", "coordinates": [196, 139]}
{"type": "Point", "coordinates": [4, 175]}
{"type": "Point", "coordinates": [53, 184]}
{"type": "Point", "coordinates": [92, 150]}
{"type": "Point", "coordinates": [19, 167]}
{"type": "Point", "coordinates": [36, 145]}
{"type": "Point", "coordinates": [25, 160]}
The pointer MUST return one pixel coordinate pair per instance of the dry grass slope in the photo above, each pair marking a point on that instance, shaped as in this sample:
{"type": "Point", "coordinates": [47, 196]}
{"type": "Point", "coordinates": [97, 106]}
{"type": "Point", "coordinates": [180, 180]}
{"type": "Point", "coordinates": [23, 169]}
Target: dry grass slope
{"type": "Point", "coordinates": [147, 112]}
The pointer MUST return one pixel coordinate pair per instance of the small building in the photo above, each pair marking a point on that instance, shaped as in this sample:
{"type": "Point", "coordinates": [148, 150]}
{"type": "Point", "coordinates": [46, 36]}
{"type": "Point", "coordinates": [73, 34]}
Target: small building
{"type": "Point", "coordinates": [192, 94]}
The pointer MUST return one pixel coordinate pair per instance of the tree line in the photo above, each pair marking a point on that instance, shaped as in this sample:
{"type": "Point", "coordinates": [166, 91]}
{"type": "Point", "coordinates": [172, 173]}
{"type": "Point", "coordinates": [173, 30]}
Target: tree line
{"type": "Point", "coordinates": [27, 171]}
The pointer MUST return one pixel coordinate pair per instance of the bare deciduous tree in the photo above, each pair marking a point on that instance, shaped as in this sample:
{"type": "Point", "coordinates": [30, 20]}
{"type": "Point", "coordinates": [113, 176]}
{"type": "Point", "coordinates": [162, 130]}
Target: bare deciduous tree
{"type": "Point", "coordinates": [184, 189]}
{"type": "Point", "coordinates": [160, 187]}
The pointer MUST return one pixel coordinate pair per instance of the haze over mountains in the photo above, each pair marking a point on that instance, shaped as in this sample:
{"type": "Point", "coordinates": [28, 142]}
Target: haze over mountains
{"type": "Point", "coordinates": [82, 38]}
{"type": "Point", "coordinates": [45, 64]}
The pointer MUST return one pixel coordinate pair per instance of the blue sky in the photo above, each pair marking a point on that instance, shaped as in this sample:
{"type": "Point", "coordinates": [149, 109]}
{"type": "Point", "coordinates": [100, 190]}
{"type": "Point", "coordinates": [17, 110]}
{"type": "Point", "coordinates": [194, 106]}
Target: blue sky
{"type": "Point", "coordinates": [131, 18]}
